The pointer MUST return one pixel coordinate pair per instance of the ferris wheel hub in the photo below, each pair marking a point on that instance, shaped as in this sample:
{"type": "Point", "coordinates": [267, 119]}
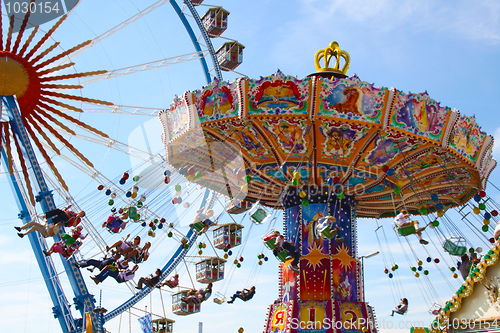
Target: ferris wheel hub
{"type": "Point", "coordinates": [14, 78]}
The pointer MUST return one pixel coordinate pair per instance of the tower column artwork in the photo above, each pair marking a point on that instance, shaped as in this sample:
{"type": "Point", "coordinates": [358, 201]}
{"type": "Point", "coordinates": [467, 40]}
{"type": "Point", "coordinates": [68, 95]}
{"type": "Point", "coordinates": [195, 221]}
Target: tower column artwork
{"type": "Point", "coordinates": [326, 290]}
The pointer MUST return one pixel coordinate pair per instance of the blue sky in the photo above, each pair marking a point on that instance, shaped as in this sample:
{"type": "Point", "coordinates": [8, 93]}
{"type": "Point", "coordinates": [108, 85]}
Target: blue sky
{"type": "Point", "coordinates": [448, 48]}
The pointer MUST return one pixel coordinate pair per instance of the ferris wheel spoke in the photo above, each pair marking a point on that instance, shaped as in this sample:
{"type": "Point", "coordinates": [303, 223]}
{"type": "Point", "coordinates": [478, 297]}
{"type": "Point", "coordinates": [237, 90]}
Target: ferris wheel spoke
{"type": "Point", "coordinates": [118, 27]}
{"type": "Point", "coordinates": [71, 76]}
{"type": "Point", "coordinates": [121, 147]}
{"type": "Point", "coordinates": [91, 172]}
{"type": "Point", "coordinates": [37, 126]}
{"type": "Point", "coordinates": [74, 120]}
{"type": "Point", "coordinates": [22, 28]}
{"type": "Point", "coordinates": [49, 33]}
{"type": "Point", "coordinates": [45, 155]}
{"type": "Point", "coordinates": [28, 40]}
{"type": "Point", "coordinates": [147, 66]}
{"type": "Point", "coordinates": [9, 33]}
{"type": "Point", "coordinates": [123, 109]}
{"type": "Point", "coordinates": [114, 144]}
{"type": "Point", "coordinates": [6, 145]}
{"type": "Point", "coordinates": [46, 51]}
{"type": "Point", "coordinates": [24, 168]}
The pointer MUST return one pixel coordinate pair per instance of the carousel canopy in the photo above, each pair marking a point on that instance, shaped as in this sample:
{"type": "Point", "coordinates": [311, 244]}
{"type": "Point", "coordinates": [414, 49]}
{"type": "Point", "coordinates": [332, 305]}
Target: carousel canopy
{"type": "Point", "coordinates": [253, 138]}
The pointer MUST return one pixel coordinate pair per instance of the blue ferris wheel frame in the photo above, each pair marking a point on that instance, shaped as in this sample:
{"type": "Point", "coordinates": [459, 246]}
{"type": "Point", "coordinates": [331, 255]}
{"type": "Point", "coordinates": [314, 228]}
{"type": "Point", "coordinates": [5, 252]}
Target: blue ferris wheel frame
{"type": "Point", "coordinates": [85, 302]}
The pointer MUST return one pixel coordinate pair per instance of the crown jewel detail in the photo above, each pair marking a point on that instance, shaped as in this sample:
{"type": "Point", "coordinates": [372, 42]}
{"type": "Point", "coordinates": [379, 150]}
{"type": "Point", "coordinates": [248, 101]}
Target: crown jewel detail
{"type": "Point", "coordinates": [332, 51]}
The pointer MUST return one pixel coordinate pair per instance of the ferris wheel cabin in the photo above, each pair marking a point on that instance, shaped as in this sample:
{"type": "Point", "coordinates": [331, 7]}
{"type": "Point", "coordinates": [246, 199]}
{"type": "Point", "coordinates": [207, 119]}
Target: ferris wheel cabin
{"type": "Point", "coordinates": [215, 21]}
{"type": "Point", "coordinates": [227, 235]}
{"type": "Point", "coordinates": [182, 308]}
{"type": "Point", "coordinates": [230, 55]}
{"type": "Point", "coordinates": [162, 325]}
{"type": "Point", "coordinates": [210, 270]}
{"type": "Point", "coordinates": [196, 2]}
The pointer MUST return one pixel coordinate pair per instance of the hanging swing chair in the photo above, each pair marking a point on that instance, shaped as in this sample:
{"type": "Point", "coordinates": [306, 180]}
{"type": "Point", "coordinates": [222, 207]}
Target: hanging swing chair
{"type": "Point", "coordinates": [435, 309]}
{"type": "Point", "coordinates": [198, 226]}
{"type": "Point", "coordinates": [270, 242]}
{"type": "Point", "coordinates": [258, 214]}
{"type": "Point", "coordinates": [455, 246]}
{"type": "Point", "coordinates": [114, 224]}
{"type": "Point", "coordinates": [326, 226]}
{"type": "Point", "coordinates": [202, 219]}
{"type": "Point", "coordinates": [132, 213]}
{"type": "Point", "coordinates": [405, 231]}
{"type": "Point", "coordinates": [237, 206]}
{"type": "Point", "coordinates": [219, 298]}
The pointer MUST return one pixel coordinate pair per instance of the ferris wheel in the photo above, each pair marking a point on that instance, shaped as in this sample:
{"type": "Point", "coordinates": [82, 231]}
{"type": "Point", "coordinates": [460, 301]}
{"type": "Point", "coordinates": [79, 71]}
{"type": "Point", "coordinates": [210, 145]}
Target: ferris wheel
{"type": "Point", "coordinates": [46, 115]}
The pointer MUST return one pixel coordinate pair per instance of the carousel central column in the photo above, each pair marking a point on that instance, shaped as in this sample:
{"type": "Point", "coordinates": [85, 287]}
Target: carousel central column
{"type": "Point", "coordinates": [325, 293]}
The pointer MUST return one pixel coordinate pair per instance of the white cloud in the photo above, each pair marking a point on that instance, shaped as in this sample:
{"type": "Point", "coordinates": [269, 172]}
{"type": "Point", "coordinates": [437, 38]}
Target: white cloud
{"type": "Point", "coordinates": [480, 21]}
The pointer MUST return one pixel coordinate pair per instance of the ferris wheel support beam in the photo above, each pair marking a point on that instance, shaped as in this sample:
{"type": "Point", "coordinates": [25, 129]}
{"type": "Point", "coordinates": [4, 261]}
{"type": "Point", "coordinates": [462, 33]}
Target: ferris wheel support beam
{"type": "Point", "coordinates": [206, 38]}
{"type": "Point", "coordinates": [193, 38]}
{"type": "Point", "coordinates": [146, 66]}
{"type": "Point", "coordinates": [83, 300]}
{"type": "Point", "coordinates": [61, 307]}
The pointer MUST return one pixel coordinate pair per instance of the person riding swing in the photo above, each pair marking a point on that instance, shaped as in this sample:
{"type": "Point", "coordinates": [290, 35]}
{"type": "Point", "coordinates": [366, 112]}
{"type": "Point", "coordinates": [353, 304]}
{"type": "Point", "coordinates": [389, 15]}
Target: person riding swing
{"type": "Point", "coordinates": [406, 227]}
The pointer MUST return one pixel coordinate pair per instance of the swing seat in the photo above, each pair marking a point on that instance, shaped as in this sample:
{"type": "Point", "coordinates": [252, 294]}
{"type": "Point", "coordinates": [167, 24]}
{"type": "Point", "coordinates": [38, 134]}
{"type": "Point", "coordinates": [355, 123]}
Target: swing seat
{"type": "Point", "coordinates": [271, 243]}
{"type": "Point", "coordinates": [328, 232]}
{"type": "Point", "coordinates": [269, 240]}
{"type": "Point", "coordinates": [198, 226]}
{"type": "Point", "coordinates": [455, 249]}
{"type": "Point", "coordinates": [259, 216]}
{"type": "Point", "coordinates": [435, 309]}
{"type": "Point", "coordinates": [219, 298]}
{"type": "Point", "coordinates": [132, 213]}
{"type": "Point", "coordinates": [114, 225]}
{"type": "Point", "coordinates": [405, 231]}
{"type": "Point", "coordinates": [282, 254]}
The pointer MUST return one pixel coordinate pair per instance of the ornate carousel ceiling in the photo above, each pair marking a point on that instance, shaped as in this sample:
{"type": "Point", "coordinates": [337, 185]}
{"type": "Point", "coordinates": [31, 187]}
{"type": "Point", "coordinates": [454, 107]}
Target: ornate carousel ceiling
{"type": "Point", "coordinates": [251, 138]}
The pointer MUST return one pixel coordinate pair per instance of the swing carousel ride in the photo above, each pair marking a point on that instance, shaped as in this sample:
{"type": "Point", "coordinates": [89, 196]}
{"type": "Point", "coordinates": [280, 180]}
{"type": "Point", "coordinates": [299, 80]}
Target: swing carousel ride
{"type": "Point", "coordinates": [320, 151]}
{"type": "Point", "coordinates": [326, 145]}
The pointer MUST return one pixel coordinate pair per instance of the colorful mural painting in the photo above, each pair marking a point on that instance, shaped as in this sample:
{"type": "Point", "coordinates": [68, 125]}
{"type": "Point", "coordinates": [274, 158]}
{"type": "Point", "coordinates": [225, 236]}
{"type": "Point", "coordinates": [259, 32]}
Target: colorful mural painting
{"type": "Point", "coordinates": [278, 94]}
{"type": "Point", "coordinates": [350, 98]}
{"type": "Point", "coordinates": [216, 101]}
{"type": "Point", "coordinates": [177, 117]}
{"type": "Point", "coordinates": [418, 114]}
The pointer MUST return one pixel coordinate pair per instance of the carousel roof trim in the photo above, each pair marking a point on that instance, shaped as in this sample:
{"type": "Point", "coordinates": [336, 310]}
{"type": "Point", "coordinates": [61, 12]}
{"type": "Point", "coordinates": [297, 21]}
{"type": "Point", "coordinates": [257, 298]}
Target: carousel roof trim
{"type": "Point", "coordinates": [477, 274]}
{"type": "Point", "coordinates": [325, 128]}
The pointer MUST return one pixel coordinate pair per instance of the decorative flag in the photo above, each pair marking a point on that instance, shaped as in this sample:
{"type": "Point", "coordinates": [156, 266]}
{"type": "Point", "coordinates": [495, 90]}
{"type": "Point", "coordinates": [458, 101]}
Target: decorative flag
{"type": "Point", "coordinates": [88, 324]}
{"type": "Point", "coordinates": [146, 323]}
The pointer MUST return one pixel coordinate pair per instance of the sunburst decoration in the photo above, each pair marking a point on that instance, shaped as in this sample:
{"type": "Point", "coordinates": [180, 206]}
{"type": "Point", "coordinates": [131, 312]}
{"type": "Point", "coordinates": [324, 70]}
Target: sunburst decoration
{"type": "Point", "coordinates": [315, 256]}
{"type": "Point", "coordinates": [343, 255]}
{"type": "Point", "coordinates": [28, 77]}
